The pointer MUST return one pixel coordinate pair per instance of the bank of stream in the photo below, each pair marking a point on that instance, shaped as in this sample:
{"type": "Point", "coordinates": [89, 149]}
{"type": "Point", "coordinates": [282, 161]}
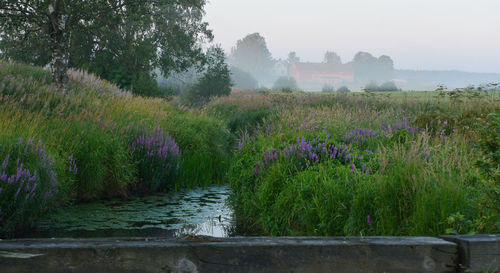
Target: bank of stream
{"type": "Point", "coordinates": [196, 212]}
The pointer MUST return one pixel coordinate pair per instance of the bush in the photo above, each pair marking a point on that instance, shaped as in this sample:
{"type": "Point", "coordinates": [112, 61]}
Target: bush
{"type": "Point", "coordinates": [243, 80]}
{"type": "Point", "coordinates": [285, 84]}
{"type": "Point", "coordinates": [327, 89]}
{"type": "Point", "coordinates": [343, 89]}
{"type": "Point", "coordinates": [372, 87]}
{"type": "Point", "coordinates": [388, 86]}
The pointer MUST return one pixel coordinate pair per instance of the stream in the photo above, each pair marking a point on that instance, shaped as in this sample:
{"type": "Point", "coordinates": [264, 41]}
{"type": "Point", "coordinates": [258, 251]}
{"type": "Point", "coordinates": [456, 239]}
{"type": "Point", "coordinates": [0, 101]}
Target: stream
{"type": "Point", "coordinates": [196, 212]}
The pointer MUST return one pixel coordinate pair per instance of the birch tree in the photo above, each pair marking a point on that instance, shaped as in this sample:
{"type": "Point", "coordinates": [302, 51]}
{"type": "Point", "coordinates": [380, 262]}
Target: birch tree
{"type": "Point", "coordinates": [164, 34]}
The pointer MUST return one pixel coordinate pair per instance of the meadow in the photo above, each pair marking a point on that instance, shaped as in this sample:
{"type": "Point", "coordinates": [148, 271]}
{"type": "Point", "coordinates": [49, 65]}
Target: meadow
{"type": "Point", "coordinates": [403, 163]}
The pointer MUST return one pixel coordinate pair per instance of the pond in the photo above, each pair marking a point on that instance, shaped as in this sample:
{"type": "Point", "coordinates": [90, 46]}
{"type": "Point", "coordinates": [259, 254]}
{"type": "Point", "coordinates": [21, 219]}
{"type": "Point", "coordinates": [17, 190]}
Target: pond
{"type": "Point", "coordinates": [197, 212]}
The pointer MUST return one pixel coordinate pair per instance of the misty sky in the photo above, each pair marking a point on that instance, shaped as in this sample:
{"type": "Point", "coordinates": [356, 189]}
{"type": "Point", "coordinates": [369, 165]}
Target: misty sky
{"type": "Point", "coordinates": [417, 34]}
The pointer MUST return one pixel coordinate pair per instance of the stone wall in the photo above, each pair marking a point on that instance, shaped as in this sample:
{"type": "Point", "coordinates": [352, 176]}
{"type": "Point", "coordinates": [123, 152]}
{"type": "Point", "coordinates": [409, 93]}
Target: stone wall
{"type": "Point", "coordinates": [253, 254]}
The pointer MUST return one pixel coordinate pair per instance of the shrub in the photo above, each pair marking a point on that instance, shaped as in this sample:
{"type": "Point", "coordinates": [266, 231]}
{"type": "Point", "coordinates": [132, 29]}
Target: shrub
{"type": "Point", "coordinates": [327, 89]}
{"type": "Point", "coordinates": [285, 84]}
{"type": "Point", "coordinates": [243, 80]}
{"type": "Point", "coordinates": [372, 87]}
{"type": "Point", "coordinates": [343, 89]}
{"type": "Point", "coordinates": [388, 86]}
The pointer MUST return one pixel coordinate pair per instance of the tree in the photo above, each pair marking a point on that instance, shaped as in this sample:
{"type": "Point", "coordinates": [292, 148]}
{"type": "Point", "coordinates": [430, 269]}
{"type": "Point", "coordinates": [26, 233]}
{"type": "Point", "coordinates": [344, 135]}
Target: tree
{"type": "Point", "coordinates": [292, 58]}
{"type": "Point", "coordinates": [287, 84]}
{"type": "Point", "coordinates": [243, 80]}
{"type": "Point", "coordinates": [122, 36]}
{"type": "Point", "coordinates": [332, 58]}
{"type": "Point", "coordinates": [251, 55]}
{"type": "Point", "coordinates": [216, 81]}
{"type": "Point", "coordinates": [388, 86]}
{"type": "Point", "coordinates": [343, 89]}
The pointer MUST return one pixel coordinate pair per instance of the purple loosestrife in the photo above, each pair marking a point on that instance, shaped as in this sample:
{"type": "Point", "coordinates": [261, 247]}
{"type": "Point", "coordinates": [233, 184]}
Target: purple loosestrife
{"type": "Point", "coordinates": [307, 153]}
{"type": "Point", "coordinates": [158, 157]}
{"type": "Point", "coordinates": [26, 181]}
{"type": "Point", "coordinates": [403, 125]}
{"type": "Point", "coordinates": [359, 135]}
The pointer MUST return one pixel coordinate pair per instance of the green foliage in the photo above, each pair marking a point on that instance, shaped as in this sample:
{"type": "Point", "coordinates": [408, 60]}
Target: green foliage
{"type": "Point", "coordinates": [251, 55]}
{"type": "Point", "coordinates": [285, 84]}
{"type": "Point", "coordinates": [215, 82]}
{"type": "Point", "coordinates": [343, 89]}
{"type": "Point", "coordinates": [243, 80]}
{"type": "Point", "coordinates": [123, 42]}
{"type": "Point", "coordinates": [327, 89]}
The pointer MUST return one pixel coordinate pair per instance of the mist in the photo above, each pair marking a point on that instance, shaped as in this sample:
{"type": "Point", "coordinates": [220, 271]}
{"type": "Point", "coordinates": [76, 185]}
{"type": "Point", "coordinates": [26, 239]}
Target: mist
{"type": "Point", "coordinates": [429, 43]}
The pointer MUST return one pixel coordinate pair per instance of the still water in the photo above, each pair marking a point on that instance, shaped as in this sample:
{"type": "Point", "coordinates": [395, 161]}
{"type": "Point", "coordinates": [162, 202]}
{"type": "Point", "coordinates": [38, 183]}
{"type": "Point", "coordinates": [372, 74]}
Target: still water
{"type": "Point", "coordinates": [198, 212]}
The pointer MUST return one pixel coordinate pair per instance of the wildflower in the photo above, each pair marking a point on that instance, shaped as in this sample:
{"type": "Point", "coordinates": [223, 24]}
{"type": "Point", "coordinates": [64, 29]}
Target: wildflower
{"type": "Point", "coordinates": [369, 220]}
{"type": "Point", "coordinates": [445, 123]}
{"type": "Point", "coordinates": [5, 162]}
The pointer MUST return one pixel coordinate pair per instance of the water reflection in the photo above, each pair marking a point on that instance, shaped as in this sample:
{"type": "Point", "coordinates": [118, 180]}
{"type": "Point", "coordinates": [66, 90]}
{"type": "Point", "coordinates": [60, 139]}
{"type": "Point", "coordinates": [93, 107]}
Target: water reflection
{"type": "Point", "coordinates": [194, 212]}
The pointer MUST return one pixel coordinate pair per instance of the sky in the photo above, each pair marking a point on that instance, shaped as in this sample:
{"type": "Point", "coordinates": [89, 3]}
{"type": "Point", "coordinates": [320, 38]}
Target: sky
{"type": "Point", "coordinates": [417, 34]}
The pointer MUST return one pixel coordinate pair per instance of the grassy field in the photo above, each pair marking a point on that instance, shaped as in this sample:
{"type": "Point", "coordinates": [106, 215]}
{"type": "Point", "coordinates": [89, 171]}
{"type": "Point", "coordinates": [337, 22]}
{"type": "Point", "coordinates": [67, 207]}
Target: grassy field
{"type": "Point", "coordinates": [402, 163]}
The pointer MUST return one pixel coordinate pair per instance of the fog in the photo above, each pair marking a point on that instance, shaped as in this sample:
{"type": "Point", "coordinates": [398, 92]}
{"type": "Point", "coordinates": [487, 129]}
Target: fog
{"type": "Point", "coordinates": [429, 42]}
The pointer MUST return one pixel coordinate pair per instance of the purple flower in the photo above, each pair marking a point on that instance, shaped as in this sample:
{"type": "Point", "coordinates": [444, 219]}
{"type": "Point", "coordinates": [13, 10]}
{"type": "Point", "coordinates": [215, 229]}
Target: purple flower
{"type": "Point", "coordinates": [5, 162]}
{"type": "Point", "coordinates": [445, 123]}
{"type": "Point", "coordinates": [369, 220]}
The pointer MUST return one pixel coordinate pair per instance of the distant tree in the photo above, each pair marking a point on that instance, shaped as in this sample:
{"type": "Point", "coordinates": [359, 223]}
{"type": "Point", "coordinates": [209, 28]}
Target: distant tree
{"type": "Point", "coordinates": [343, 89]}
{"type": "Point", "coordinates": [252, 55]}
{"type": "Point", "coordinates": [368, 68]}
{"type": "Point", "coordinates": [327, 89]}
{"type": "Point", "coordinates": [119, 40]}
{"type": "Point", "coordinates": [372, 87]}
{"type": "Point", "coordinates": [385, 68]}
{"type": "Point", "coordinates": [388, 86]}
{"type": "Point", "coordinates": [332, 58]}
{"type": "Point", "coordinates": [292, 58]}
{"type": "Point", "coordinates": [216, 81]}
{"type": "Point", "coordinates": [243, 80]}
{"type": "Point", "coordinates": [285, 84]}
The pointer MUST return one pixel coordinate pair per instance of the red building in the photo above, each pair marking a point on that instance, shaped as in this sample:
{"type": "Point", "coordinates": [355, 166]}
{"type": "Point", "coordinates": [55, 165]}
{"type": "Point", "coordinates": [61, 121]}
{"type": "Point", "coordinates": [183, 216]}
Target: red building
{"type": "Point", "coordinates": [318, 74]}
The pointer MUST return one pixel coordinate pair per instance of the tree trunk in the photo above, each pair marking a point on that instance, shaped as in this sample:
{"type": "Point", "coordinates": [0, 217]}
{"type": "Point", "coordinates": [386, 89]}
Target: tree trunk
{"type": "Point", "coordinates": [59, 43]}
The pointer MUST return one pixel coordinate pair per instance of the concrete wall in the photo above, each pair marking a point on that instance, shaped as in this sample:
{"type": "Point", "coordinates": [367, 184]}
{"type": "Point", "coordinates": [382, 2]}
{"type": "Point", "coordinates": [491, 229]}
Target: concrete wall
{"type": "Point", "coordinates": [254, 254]}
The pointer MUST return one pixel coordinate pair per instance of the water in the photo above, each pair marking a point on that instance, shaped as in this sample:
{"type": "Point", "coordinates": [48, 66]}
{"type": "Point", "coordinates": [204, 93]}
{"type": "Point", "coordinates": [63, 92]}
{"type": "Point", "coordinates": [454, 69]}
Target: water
{"type": "Point", "coordinates": [198, 212]}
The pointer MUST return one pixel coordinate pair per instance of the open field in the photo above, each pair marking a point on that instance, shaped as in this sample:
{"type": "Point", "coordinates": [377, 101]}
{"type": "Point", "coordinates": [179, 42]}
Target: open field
{"type": "Point", "coordinates": [400, 163]}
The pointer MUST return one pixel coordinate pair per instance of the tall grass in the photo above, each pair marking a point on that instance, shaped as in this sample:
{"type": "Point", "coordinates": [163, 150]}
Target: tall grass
{"type": "Point", "coordinates": [407, 166]}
